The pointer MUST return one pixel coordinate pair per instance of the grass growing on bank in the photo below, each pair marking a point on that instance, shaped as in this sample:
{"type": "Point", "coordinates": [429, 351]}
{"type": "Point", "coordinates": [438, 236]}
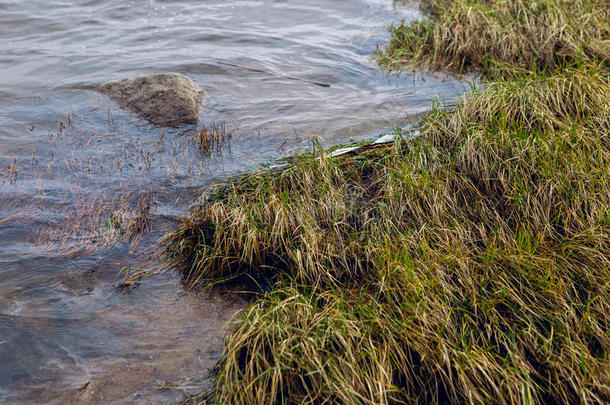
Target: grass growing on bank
{"type": "Point", "coordinates": [468, 265]}
{"type": "Point", "coordinates": [503, 37]}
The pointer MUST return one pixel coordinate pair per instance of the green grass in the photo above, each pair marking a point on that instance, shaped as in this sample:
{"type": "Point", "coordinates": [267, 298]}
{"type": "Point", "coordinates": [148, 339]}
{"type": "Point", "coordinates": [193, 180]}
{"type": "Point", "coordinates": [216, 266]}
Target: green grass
{"type": "Point", "coordinates": [468, 265]}
{"type": "Point", "coordinates": [502, 37]}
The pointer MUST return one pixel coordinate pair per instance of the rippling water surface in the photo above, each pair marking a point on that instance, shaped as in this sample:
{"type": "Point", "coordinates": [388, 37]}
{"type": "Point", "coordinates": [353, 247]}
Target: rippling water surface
{"type": "Point", "coordinates": [86, 188]}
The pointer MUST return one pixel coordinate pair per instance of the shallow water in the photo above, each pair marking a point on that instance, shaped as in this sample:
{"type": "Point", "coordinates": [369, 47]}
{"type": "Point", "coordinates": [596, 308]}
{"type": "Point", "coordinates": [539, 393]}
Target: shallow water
{"type": "Point", "coordinates": [79, 177]}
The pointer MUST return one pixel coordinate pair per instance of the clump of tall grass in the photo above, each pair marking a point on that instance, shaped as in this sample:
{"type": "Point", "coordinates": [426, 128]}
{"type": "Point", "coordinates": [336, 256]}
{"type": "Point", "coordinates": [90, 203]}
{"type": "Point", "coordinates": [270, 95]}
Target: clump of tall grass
{"type": "Point", "coordinates": [471, 264]}
{"type": "Point", "coordinates": [211, 139]}
{"type": "Point", "coordinates": [503, 36]}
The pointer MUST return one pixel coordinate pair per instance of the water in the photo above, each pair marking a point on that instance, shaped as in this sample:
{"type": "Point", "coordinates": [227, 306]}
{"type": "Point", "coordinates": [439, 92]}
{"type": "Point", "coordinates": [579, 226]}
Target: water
{"type": "Point", "coordinates": [86, 188]}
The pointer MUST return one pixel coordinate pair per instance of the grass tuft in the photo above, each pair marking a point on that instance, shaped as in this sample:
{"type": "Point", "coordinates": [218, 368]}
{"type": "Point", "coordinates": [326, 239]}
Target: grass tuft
{"type": "Point", "coordinates": [503, 37]}
{"type": "Point", "coordinates": [211, 139]}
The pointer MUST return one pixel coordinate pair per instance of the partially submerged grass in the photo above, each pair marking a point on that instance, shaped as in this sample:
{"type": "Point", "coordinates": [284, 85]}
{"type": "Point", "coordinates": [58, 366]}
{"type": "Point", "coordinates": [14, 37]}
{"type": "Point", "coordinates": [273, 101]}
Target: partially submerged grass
{"type": "Point", "coordinates": [211, 139]}
{"type": "Point", "coordinates": [468, 265]}
{"type": "Point", "coordinates": [90, 224]}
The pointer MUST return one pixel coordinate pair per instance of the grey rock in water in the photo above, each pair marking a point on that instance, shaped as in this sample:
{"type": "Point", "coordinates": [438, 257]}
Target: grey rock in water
{"type": "Point", "coordinates": [167, 99]}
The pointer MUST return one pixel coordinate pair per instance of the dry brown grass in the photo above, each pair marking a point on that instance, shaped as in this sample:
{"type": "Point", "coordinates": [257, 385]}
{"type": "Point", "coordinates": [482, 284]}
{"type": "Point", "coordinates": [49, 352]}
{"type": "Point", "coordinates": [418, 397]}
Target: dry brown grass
{"type": "Point", "coordinates": [211, 139]}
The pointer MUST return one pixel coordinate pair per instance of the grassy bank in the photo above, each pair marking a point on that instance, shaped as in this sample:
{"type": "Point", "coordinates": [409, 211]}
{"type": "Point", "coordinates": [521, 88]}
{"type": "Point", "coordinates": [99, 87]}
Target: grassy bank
{"type": "Point", "coordinates": [468, 265]}
{"type": "Point", "coordinates": [503, 38]}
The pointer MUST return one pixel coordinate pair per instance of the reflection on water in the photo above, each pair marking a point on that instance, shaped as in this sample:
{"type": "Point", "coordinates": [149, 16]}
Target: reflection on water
{"type": "Point", "coordinates": [86, 188]}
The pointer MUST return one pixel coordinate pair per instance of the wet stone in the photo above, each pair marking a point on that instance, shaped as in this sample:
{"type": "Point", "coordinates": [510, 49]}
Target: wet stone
{"type": "Point", "coordinates": [167, 99]}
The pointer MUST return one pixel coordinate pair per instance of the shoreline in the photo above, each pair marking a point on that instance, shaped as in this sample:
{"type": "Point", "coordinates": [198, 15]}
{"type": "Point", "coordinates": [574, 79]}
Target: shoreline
{"type": "Point", "coordinates": [469, 264]}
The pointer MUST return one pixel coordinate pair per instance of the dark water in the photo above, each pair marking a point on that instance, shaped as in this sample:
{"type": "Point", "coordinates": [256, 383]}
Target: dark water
{"type": "Point", "coordinates": [78, 175]}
